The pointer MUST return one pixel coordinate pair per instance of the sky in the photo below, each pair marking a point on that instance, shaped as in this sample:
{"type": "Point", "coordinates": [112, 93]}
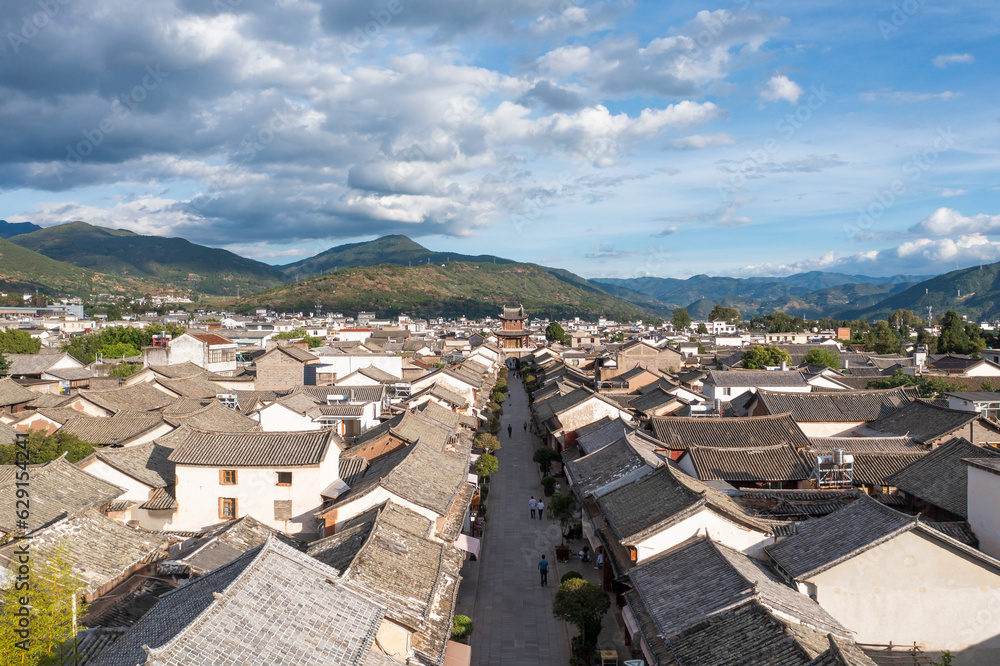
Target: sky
{"type": "Point", "coordinates": [613, 138]}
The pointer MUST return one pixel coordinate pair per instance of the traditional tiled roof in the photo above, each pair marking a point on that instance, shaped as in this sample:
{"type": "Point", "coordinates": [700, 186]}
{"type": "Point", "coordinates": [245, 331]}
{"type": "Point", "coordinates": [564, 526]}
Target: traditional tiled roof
{"type": "Point", "coordinates": [294, 352]}
{"type": "Point", "coordinates": [57, 489]}
{"type": "Point", "coordinates": [759, 431]}
{"type": "Point", "coordinates": [140, 397]}
{"type": "Point", "coordinates": [841, 406]}
{"type": "Point", "coordinates": [177, 370]}
{"type": "Point", "coordinates": [442, 393]}
{"type": "Point", "coordinates": [112, 431]}
{"type": "Point", "coordinates": [160, 499]}
{"type": "Point", "coordinates": [191, 387]}
{"type": "Point", "coordinates": [439, 414]}
{"type": "Point", "coordinates": [338, 550]}
{"type": "Point", "coordinates": [780, 462]}
{"type": "Point", "coordinates": [755, 378]}
{"type": "Point", "coordinates": [358, 394]}
{"type": "Point", "coordinates": [415, 426]}
{"type": "Point", "coordinates": [48, 400]}
{"type": "Point", "coordinates": [875, 458]}
{"type": "Point", "coordinates": [252, 449]}
{"type": "Point", "coordinates": [940, 478]}
{"type": "Point", "coordinates": [32, 364]}
{"type": "Point", "coordinates": [101, 550]}
{"type": "Point", "coordinates": [795, 504]}
{"type": "Point", "coordinates": [211, 339]}
{"type": "Point", "coordinates": [271, 605]}
{"type": "Point", "coordinates": [12, 393]}
{"type": "Point", "coordinates": [923, 421]}
{"type": "Point", "coordinates": [215, 416]}
{"type": "Point", "coordinates": [380, 376]}
{"type": "Point", "coordinates": [71, 374]}
{"type": "Point", "coordinates": [864, 524]}
{"type": "Point", "coordinates": [633, 453]}
{"type": "Point", "coordinates": [148, 463]}
{"type": "Point", "coordinates": [645, 507]}
{"type": "Point", "coordinates": [224, 544]}
{"type": "Point", "coordinates": [651, 400]}
{"type": "Point", "coordinates": [684, 586]}
{"type": "Point", "coordinates": [352, 469]}
{"type": "Point", "coordinates": [600, 433]}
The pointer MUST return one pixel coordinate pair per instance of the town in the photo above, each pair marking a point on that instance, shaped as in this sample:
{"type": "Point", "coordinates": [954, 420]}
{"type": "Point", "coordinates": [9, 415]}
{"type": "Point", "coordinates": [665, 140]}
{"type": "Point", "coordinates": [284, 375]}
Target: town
{"type": "Point", "coordinates": [205, 487]}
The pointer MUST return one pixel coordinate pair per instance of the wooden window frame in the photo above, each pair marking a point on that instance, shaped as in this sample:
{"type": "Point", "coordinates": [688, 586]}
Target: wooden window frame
{"type": "Point", "coordinates": [222, 502]}
{"type": "Point", "coordinates": [278, 481]}
{"type": "Point", "coordinates": [222, 477]}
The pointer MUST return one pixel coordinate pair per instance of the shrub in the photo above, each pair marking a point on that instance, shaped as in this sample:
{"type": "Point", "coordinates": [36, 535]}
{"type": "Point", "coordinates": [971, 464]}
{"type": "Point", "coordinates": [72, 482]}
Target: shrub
{"type": "Point", "coordinates": [461, 628]}
{"type": "Point", "coordinates": [544, 456]}
{"type": "Point", "coordinates": [498, 397]}
{"type": "Point", "coordinates": [583, 604]}
{"type": "Point", "coordinates": [487, 442]}
{"type": "Point", "coordinates": [494, 408]}
{"type": "Point", "coordinates": [569, 575]}
{"type": "Point", "coordinates": [500, 386]}
{"type": "Point", "coordinates": [487, 464]}
{"type": "Point", "coordinates": [549, 483]}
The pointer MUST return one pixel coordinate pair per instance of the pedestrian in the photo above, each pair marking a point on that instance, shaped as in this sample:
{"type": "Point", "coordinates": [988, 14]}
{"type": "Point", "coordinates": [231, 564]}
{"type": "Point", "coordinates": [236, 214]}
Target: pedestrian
{"type": "Point", "coordinates": [600, 561]}
{"type": "Point", "coordinates": [541, 507]}
{"type": "Point", "coordinates": [532, 504]}
{"type": "Point", "coordinates": [510, 431]}
{"type": "Point", "coordinates": [525, 426]}
{"type": "Point", "coordinates": [543, 569]}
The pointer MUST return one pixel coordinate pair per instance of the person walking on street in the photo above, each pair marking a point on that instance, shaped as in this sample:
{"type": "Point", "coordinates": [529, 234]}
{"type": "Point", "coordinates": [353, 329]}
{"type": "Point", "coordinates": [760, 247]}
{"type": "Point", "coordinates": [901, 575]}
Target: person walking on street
{"type": "Point", "coordinates": [543, 569]}
{"type": "Point", "coordinates": [541, 507]}
{"type": "Point", "coordinates": [600, 561]}
{"type": "Point", "coordinates": [532, 504]}
{"type": "Point", "coordinates": [510, 431]}
{"type": "Point", "coordinates": [525, 426]}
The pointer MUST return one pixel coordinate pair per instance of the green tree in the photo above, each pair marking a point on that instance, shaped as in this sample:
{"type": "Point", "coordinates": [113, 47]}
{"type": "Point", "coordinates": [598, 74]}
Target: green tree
{"type": "Point", "coordinates": [487, 442]}
{"type": "Point", "coordinates": [954, 338]}
{"type": "Point", "coordinates": [729, 315]}
{"type": "Point", "coordinates": [929, 340]}
{"type": "Point", "coordinates": [882, 339]}
{"type": "Point", "coordinates": [562, 507]}
{"type": "Point", "coordinates": [763, 356]}
{"type": "Point", "coordinates": [486, 465]}
{"type": "Point", "coordinates": [124, 369]}
{"type": "Point", "coordinates": [554, 332]}
{"type": "Point", "coordinates": [461, 628]}
{"type": "Point", "coordinates": [4, 365]}
{"type": "Point", "coordinates": [42, 448]}
{"type": "Point", "coordinates": [544, 456]}
{"type": "Point", "coordinates": [13, 341]}
{"type": "Point", "coordinates": [299, 334]}
{"type": "Point", "coordinates": [681, 319]}
{"type": "Point", "coordinates": [822, 356]}
{"type": "Point", "coordinates": [118, 350]}
{"type": "Point", "coordinates": [702, 329]}
{"type": "Point", "coordinates": [52, 586]}
{"type": "Point", "coordinates": [583, 604]}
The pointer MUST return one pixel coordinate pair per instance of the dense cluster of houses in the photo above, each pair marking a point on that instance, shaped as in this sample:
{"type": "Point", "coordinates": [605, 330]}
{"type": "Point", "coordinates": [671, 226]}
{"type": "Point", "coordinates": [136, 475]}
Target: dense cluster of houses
{"type": "Point", "coordinates": [311, 506]}
{"type": "Point", "coordinates": [787, 515]}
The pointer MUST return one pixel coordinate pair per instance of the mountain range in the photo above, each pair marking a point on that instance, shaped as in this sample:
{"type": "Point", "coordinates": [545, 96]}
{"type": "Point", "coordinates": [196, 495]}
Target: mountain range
{"type": "Point", "coordinates": [395, 274]}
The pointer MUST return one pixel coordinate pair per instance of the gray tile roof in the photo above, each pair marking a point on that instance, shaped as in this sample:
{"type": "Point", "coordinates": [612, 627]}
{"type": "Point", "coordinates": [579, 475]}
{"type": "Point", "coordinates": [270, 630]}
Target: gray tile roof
{"type": "Point", "coordinates": [381, 376]}
{"type": "Point", "coordinates": [252, 449]}
{"type": "Point", "coordinates": [191, 387]}
{"type": "Point", "coordinates": [215, 416]}
{"type": "Point", "coordinates": [442, 415]}
{"type": "Point", "coordinates": [358, 394]}
{"type": "Point", "coordinates": [415, 426]}
{"type": "Point", "coordinates": [224, 544]}
{"type": "Point", "coordinates": [352, 469]}
{"type": "Point", "coordinates": [923, 421]}
{"type": "Point", "coordinates": [112, 431]}
{"type": "Point", "coordinates": [681, 432]}
{"type": "Point", "coordinates": [600, 433]}
{"type": "Point", "coordinates": [148, 463]}
{"type": "Point", "coordinates": [32, 364]}
{"type": "Point", "coordinates": [841, 406]}
{"type": "Point", "coordinates": [756, 378]}
{"type": "Point", "coordinates": [101, 550]}
{"type": "Point", "coordinates": [141, 397]}
{"type": "Point", "coordinates": [940, 478]}
{"type": "Point", "coordinates": [57, 489]}
{"type": "Point", "coordinates": [684, 586]}
{"type": "Point", "coordinates": [177, 370]}
{"type": "Point", "coordinates": [272, 605]}
{"type": "Point", "coordinates": [644, 507]}
{"type": "Point", "coordinates": [632, 453]}
{"type": "Point", "coordinates": [780, 462]}
{"type": "Point", "coordinates": [12, 393]}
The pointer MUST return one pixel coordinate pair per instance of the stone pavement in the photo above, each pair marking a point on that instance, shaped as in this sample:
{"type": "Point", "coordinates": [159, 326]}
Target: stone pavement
{"type": "Point", "coordinates": [511, 612]}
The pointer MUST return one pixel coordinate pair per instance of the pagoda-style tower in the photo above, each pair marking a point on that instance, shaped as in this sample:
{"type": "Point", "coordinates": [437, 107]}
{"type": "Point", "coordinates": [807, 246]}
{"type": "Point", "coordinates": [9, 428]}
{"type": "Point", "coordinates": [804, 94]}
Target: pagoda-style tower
{"type": "Point", "coordinates": [513, 336]}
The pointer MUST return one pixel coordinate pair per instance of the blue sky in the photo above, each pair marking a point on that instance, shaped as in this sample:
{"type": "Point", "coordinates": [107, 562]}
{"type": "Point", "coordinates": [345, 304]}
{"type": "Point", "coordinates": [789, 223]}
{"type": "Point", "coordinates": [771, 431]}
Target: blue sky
{"type": "Point", "coordinates": [610, 138]}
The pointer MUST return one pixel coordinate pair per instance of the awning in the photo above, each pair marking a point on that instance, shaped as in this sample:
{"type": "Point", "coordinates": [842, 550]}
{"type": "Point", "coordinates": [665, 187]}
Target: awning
{"type": "Point", "coordinates": [473, 479]}
{"type": "Point", "coordinates": [629, 618]}
{"type": "Point", "coordinates": [468, 543]}
{"type": "Point", "coordinates": [457, 654]}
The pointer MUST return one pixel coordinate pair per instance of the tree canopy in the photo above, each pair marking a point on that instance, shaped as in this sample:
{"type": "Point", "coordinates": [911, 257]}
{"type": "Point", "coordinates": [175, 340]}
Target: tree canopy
{"type": "Point", "coordinates": [42, 448]}
{"type": "Point", "coordinates": [883, 339]}
{"type": "Point", "coordinates": [728, 314]}
{"type": "Point", "coordinates": [958, 337]}
{"type": "Point", "coordinates": [581, 603]}
{"type": "Point", "coordinates": [13, 341]}
{"type": "Point", "coordinates": [823, 356]}
{"type": "Point", "coordinates": [681, 319]}
{"type": "Point", "coordinates": [554, 332]}
{"type": "Point", "coordinates": [299, 334]}
{"type": "Point", "coordinates": [487, 464]}
{"type": "Point", "coordinates": [763, 356]}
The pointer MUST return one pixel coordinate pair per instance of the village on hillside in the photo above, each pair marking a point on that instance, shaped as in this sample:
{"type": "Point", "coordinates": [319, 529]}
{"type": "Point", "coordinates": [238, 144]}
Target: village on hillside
{"type": "Point", "coordinates": [319, 489]}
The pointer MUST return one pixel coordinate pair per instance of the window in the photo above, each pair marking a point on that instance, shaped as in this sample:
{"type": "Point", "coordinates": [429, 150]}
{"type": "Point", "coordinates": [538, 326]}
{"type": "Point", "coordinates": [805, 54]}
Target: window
{"type": "Point", "coordinates": [227, 477]}
{"type": "Point", "coordinates": [227, 508]}
{"type": "Point", "coordinates": [727, 391]}
{"type": "Point", "coordinates": [221, 355]}
{"type": "Point", "coordinates": [284, 478]}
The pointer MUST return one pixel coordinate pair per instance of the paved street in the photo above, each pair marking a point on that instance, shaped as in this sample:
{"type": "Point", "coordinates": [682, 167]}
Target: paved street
{"type": "Point", "coordinates": [512, 613]}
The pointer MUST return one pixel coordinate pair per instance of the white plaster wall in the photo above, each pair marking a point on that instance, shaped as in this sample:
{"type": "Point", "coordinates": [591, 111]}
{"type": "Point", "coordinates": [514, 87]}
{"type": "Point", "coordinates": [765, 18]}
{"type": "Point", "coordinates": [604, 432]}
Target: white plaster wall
{"type": "Point", "coordinates": [186, 348]}
{"type": "Point", "coordinates": [373, 499]}
{"type": "Point", "coordinates": [828, 429]}
{"type": "Point", "coordinates": [135, 490]}
{"type": "Point", "coordinates": [912, 590]}
{"type": "Point", "coordinates": [984, 509]}
{"type": "Point", "coordinates": [704, 522]}
{"type": "Point", "coordinates": [278, 418]}
{"type": "Point", "coordinates": [344, 364]}
{"type": "Point", "coordinates": [590, 411]}
{"type": "Point", "coordinates": [985, 370]}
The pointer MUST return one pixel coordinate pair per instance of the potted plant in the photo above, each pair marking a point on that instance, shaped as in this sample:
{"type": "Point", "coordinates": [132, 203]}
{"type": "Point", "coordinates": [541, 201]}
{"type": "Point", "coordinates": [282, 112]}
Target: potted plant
{"type": "Point", "coordinates": [562, 507]}
{"type": "Point", "coordinates": [549, 484]}
{"type": "Point", "coordinates": [544, 456]}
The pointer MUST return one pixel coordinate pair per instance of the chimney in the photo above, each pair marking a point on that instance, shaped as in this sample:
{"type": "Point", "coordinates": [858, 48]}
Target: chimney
{"type": "Point", "coordinates": [784, 366]}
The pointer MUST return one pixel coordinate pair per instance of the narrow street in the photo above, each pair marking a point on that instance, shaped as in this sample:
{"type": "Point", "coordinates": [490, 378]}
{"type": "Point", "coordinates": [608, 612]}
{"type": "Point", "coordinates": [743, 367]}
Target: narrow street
{"type": "Point", "coordinates": [511, 612]}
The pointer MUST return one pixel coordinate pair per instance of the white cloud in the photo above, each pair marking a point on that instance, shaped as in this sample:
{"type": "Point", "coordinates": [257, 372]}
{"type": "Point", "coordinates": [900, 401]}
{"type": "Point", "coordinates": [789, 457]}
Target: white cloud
{"type": "Point", "coordinates": [949, 222]}
{"type": "Point", "coordinates": [949, 192]}
{"type": "Point", "coordinates": [955, 59]}
{"type": "Point", "coordinates": [905, 97]}
{"type": "Point", "coordinates": [699, 141]}
{"type": "Point", "coordinates": [780, 88]}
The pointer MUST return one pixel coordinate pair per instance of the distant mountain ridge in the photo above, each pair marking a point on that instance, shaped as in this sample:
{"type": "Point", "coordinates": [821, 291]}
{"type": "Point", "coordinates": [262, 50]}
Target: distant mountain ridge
{"type": "Point", "coordinates": [22, 269]}
{"type": "Point", "coordinates": [8, 229]}
{"type": "Point", "coordinates": [170, 261]}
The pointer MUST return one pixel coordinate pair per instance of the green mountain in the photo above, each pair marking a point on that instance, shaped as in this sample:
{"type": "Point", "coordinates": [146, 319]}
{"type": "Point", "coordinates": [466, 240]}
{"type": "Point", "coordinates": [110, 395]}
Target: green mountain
{"type": "Point", "coordinates": [22, 269]}
{"type": "Point", "coordinates": [8, 229]}
{"type": "Point", "coordinates": [974, 292]}
{"type": "Point", "coordinates": [476, 289]}
{"type": "Point", "coordinates": [385, 250]}
{"type": "Point", "coordinates": [168, 261]}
